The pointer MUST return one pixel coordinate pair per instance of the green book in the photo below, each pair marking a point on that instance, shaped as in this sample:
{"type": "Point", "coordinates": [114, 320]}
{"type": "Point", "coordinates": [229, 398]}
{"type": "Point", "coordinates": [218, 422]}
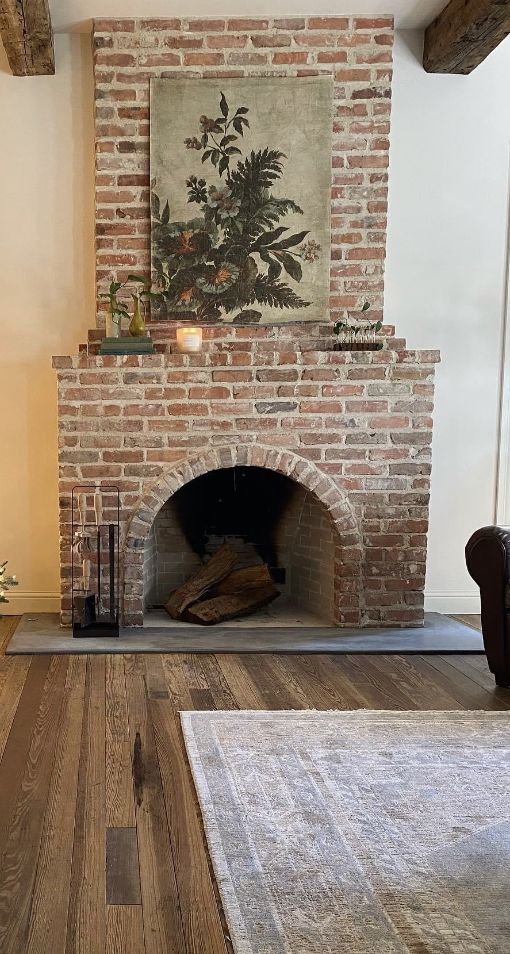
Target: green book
{"type": "Point", "coordinates": [127, 345]}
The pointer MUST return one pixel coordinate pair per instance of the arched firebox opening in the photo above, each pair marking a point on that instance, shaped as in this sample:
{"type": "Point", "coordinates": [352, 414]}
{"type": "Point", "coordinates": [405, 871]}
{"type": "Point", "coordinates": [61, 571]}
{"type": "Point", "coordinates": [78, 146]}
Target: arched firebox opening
{"type": "Point", "coordinates": [140, 545]}
{"type": "Point", "coordinates": [267, 518]}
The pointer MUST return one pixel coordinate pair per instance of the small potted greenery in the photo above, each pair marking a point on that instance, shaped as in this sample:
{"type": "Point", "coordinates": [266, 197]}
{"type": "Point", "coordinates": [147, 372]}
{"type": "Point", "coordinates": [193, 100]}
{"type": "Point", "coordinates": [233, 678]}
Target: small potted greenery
{"type": "Point", "coordinates": [6, 582]}
{"type": "Point", "coordinates": [360, 336]}
{"type": "Point", "coordinates": [117, 311]}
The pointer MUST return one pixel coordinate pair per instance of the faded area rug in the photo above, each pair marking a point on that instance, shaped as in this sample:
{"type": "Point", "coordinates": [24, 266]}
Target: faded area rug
{"type": "Point", "coordinates": [358, 832]}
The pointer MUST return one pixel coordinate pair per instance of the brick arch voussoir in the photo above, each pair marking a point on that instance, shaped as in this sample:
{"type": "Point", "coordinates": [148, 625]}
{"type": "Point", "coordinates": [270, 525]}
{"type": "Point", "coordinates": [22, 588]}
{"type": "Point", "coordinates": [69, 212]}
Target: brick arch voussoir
{"type": "Point", "coordinates": [297, 468]}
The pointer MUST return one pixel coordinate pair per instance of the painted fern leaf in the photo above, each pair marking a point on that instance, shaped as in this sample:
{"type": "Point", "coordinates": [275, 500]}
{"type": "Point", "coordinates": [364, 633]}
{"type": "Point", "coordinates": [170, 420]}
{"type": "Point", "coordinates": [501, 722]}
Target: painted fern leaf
{"type": "Point", "coordinates": [269, 212]}
{"type": "Point", "coordinates": [275, 294]}
{"type": "Point", "coordinates": [257, 172]}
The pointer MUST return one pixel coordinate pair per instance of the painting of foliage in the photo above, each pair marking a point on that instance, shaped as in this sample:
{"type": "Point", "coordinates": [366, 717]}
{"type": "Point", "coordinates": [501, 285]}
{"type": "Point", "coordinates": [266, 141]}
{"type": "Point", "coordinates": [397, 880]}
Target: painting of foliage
{"type": "Point", "coordinates": [240, 198]}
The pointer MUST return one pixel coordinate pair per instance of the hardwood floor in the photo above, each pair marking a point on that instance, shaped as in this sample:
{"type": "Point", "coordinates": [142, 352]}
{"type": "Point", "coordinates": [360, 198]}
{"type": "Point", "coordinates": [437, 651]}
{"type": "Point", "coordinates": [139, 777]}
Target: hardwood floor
{"type": "Point", "coordinates": [101, 843]}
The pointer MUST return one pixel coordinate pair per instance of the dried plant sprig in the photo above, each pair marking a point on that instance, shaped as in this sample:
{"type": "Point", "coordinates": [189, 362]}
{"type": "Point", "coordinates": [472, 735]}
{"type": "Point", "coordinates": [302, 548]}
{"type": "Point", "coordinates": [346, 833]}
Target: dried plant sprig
{"type": "Point", "coordinates": [6, 582]}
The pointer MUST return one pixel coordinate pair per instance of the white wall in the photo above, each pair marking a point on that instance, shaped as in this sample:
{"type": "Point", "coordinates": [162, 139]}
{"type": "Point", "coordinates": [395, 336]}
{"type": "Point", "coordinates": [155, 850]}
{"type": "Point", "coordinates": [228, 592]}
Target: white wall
{"type": "Point", "coordinates": [448, 218]}
{"type": "Point", "coordinates": [46, 298]}
{"type": "Point", "coordinates": [445, 279]}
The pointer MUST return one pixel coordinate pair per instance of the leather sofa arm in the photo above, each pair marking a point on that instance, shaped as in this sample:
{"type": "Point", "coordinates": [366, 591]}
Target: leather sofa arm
{"type": "Point", "coordinates": [488, 563]}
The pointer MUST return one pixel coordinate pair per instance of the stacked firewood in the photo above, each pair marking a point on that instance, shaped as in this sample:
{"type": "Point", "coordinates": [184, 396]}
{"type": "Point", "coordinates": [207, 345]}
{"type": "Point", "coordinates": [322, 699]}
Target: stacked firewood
{"type": "Point", "coordinates": [222, 590]}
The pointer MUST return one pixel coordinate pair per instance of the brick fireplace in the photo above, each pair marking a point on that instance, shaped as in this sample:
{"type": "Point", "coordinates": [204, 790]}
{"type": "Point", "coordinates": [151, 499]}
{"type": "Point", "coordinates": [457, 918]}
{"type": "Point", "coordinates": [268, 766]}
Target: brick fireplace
{"type": "Point", "coordinates": [347, 433]}
{"type": "Point", "coordinates": [353, 429]}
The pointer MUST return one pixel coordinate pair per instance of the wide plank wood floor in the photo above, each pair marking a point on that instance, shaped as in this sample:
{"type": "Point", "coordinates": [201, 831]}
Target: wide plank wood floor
{"type": "Point", "coordinates": [101, 843]}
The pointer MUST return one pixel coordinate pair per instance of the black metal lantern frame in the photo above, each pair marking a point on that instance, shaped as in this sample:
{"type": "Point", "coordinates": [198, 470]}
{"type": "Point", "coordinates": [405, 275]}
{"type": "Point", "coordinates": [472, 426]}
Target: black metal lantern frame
{"type": "Point", "coordinates": [95, 560]}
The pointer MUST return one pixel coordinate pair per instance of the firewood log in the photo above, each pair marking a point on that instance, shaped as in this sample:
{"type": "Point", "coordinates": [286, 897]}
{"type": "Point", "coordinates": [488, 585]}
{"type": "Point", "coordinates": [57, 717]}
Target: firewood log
{"type": "Point", "coordinates": [243, 580]}
{"type": "Point", "coordinates": [221, 608]}
{"type": "Point", "coordinates": [219, 566]}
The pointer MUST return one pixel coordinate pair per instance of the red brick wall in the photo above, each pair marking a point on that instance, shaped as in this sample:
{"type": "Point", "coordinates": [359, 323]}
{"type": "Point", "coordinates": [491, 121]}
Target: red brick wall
{"type": "Point", "coordinates": [356, 50]}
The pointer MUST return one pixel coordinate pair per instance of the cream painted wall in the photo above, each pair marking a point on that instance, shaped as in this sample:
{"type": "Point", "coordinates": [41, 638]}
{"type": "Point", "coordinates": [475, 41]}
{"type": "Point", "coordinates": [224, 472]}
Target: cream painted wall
{"type": "Point", "coordinates": [46, 298]}
{"type": "Point", "coordinates": [72, 15]}
{"type": "Point", "coordinates": [445, 282]}
{"type": "Point", "coordinates": [446, 271]}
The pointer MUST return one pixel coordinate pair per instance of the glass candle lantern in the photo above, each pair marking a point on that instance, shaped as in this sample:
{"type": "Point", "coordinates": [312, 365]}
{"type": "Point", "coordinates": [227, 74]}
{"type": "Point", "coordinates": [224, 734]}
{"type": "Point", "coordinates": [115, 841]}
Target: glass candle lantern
{"type": "Point", "coordinates": [189, 340]}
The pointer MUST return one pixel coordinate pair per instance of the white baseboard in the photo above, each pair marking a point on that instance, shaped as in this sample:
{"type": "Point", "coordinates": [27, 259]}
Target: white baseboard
{"type": "Point", "coordinates": [24, 602]}
{"type": "Point", "coordinates": [452, 603]}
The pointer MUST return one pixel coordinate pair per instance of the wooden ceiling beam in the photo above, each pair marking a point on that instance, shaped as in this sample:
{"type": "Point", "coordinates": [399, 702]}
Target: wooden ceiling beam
{"type": "Point", "coordinates": [27, 36]}
{"type": "Point", "coordinates": [464, 34]}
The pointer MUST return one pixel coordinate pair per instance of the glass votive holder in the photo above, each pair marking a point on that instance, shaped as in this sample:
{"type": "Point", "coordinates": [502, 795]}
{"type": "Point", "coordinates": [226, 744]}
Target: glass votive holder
{"type": "Point", "coordinates": [189, 340]}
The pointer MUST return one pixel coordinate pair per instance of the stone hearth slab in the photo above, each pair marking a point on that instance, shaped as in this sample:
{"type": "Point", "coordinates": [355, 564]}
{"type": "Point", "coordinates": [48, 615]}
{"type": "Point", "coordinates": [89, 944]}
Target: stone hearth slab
{"type": "Point", "coordinates": [41, 633]}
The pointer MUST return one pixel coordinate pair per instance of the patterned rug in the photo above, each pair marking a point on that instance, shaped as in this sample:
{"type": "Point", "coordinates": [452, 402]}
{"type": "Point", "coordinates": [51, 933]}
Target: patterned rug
{"type": "Point", "coordinates": [358, 832]}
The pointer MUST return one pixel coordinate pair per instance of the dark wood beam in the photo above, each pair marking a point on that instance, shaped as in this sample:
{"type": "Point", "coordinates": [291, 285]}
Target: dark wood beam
{"type": "Point", "coordinates": [464, 34]}
{"type": "Point", "coordinates": [27, 36]}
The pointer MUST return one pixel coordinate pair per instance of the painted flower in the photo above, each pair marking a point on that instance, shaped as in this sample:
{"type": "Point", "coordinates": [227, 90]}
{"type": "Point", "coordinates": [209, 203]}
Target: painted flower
{"type": "Point", "coordinates": [208, 125]}
{"type": "Point", "coordinates": [186, 299]}
{"type": "Point", "coordinates": [182, 293]}
{"type": "Point", "coordinates": [219, 279]}
{"type": "Point", "coordinates": [187, 240]}
{"type": "Point", "coordinates": [310, 251]}
{"type": "Point", "coordinates": [192, 143]}
{"type": "Point", "coordinates": [223, 203]}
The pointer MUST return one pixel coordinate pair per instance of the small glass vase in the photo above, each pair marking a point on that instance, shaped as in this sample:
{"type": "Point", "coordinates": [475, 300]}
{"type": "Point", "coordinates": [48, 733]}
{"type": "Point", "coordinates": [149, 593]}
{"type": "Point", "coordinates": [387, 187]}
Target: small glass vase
{"type": "Point", "coordinates": [113, 328]}
{"type": "Point", "coordinates": [137, 326]}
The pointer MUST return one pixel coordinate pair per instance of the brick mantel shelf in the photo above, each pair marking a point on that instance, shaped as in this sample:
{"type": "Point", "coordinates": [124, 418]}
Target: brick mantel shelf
{"type": "Point", "coordinates": [353, 427]}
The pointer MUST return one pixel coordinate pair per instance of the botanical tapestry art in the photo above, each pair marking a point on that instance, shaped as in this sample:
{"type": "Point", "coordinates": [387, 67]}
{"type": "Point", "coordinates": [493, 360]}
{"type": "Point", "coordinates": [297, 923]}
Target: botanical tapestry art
{"type": "Point", "coordinates": [240, 199]}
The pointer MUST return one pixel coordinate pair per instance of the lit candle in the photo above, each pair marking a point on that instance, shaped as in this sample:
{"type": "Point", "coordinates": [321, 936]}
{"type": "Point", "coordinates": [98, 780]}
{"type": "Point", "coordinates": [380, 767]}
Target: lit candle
{"type": "Point", "coordinates": [189, 340]}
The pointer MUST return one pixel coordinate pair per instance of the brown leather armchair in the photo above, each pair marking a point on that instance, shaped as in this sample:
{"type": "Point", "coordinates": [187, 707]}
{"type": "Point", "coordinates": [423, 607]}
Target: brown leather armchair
{"type": "Point", "coordinates": [488, 562]}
